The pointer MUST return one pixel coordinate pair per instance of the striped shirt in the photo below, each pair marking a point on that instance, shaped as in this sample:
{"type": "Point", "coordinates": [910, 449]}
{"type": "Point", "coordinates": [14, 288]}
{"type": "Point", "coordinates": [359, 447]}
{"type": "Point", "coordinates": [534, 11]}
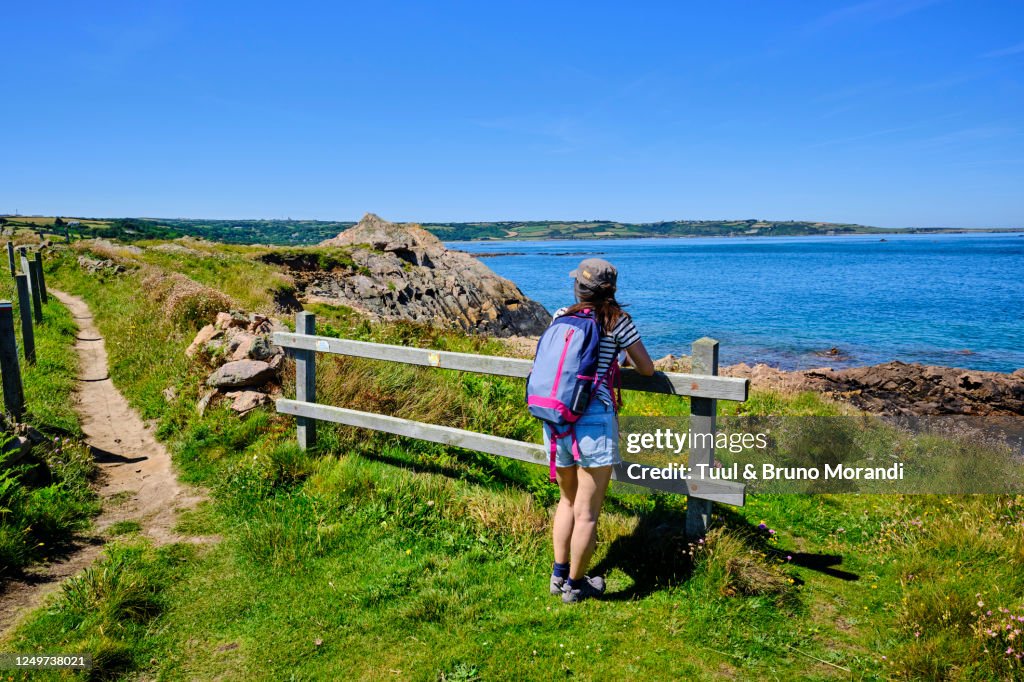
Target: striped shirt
{"type": "Point", "coordinates": [622, 336]}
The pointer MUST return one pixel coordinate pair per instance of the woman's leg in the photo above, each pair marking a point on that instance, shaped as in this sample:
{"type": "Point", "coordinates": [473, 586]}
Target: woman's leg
{"type": "Point", "coordinates": [562, 528]}
{"type": "Point", "coordinates": [591, 485]}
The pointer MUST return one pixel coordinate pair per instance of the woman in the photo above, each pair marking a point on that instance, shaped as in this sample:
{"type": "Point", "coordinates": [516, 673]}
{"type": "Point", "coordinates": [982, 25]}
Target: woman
{"type": "Point", "coordinates": [583, 484]}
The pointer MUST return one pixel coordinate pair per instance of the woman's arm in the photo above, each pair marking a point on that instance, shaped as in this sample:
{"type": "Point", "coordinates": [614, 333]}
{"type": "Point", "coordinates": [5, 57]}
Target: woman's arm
{"type": "Point", "coordinates": [640, 360]}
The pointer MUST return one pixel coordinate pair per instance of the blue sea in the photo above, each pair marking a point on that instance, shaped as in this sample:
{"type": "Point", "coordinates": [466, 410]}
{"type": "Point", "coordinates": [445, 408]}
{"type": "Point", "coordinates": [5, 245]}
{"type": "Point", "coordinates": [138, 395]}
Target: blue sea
{"type": "Point", "coordinates": [955, 300]}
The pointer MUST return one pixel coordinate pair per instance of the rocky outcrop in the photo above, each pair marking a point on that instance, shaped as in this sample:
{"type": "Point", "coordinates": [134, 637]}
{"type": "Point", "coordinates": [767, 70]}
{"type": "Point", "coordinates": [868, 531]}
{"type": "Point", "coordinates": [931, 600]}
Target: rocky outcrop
{"type": "Point", "coordinates": [901, 388]}
{"type": "Point", "coordinates": [402, 272]}
{"type": "Point", "coordinates": [246, 363]}
{"type": "Point", "coordinates": [673, 363]}
{"type": "Point", "coordinates": [97, 266]}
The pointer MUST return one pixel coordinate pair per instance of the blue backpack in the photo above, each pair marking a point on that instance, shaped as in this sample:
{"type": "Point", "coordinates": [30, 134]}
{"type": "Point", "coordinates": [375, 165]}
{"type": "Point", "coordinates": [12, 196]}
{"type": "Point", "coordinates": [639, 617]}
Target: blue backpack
{"type": "Point", "coordinates": [564, 376]}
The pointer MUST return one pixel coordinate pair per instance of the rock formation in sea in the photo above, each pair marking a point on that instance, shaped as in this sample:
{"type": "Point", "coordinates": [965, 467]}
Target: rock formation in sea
{"type": "Point", "coordinates": [402, 272]}
{"type": "Point", "coordinates": [900, 388]}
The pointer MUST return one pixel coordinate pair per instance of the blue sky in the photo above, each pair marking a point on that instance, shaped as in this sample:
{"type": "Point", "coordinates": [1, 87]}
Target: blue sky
{"type": "Point", "coordinates": [885, 112]}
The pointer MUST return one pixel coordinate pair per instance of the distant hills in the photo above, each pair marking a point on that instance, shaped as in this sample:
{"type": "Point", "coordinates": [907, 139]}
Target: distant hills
{"type": "Point", "coordinates": [308, 232]}
{"type": "Point", "coordinates": [600, 229]}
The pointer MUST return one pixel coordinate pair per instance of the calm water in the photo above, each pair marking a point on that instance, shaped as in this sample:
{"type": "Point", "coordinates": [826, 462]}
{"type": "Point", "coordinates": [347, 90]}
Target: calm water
{"type": "Point", "coordinates": [916, 298]}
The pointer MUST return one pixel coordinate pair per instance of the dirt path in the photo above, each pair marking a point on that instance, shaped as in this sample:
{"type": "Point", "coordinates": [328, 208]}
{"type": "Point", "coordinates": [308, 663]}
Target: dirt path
{"type": "Point", "coordinates": [137, 481]}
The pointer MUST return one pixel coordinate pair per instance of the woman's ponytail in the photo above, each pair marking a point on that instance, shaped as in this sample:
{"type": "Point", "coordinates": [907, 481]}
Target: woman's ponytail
{"type": "Point", "coordinates": [601, 299]}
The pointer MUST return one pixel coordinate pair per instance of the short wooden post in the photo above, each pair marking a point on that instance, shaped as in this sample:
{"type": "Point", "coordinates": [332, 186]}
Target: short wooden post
{"type": "Point", "coordinates": [28, 337]}
{"type": "Point", "coordinates": [41, 277]}
{"type": "Point", "coordinates": [305, 379]}
{"type": "Point", "coordinates": [704, 360]}
{"type": "Point", "coordinates": [33, 287]}
{"type": "Point", "coordinates": [10, 257]}
{"type": "Point", "coordinates": [23, 260]}
{"type": "Point", "coordinates": [14, 395]}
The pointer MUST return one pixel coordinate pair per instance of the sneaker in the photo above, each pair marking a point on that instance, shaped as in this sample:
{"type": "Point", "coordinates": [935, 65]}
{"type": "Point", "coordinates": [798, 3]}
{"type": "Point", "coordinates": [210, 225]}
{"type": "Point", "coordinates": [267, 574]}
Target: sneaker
{"type": "Point", "coordinates": [558, 585]}
{"type": "Point", "coordinates": [591, 587]}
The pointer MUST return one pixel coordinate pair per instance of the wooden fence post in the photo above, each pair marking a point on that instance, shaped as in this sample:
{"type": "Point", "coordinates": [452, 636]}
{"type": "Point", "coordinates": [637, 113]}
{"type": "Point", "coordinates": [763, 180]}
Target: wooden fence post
{"type": "Point", "coordinates": [23, 260]}
{"type": "Point", "coordinates": [305, 379]}
{"type": "Point", "coordinates": [33, 286]}
{"type": "Point", "coordinates": [10, 257]}
{"type": "Point", "coordinates": [28, 337]}
{"type": "Point", "coordinates": [704, 360]}
{"type": "Point", "coordinates": [40, 277]}
{"type": "Point", "coordinates": [14, 395]}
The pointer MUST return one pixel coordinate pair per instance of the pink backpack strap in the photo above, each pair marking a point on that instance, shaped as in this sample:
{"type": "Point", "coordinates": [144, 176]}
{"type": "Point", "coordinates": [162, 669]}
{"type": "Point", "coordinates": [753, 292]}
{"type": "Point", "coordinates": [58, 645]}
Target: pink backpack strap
{"type": "Point", "coordinates": [554, 450]}
{"type": "Point", "coordinates": [613, 380]}
{"type": "Point", "coordinates": [571, 431]}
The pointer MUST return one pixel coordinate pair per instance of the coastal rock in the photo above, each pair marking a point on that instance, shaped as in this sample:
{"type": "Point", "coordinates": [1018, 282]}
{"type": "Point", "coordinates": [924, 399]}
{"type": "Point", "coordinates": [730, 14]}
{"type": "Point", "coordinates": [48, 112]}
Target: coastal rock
{"type": "Point", "coordinates": [276, 360]}
{"type": "Point", "coordinates": [244, 401]}
{"type": "Point", "coordinates": [241, 373]}
{"type": "Point", "coordinates": [900, 388]}
{"type": "Point", "coordinates": [231, 319]}
{"type": "Point", "coordinates": [673, 363]}
{"type": "Point", "coordinates": [833, 353]}
{"type": "Point", "coordinates": [97, 266]}
{"type": "Point", "coordinates": [205, 335]}
{"type": "Point", "coordinates": [261, 348]}
{"type": "Point", "coordinates": [766, 378]}
{"type": "Point", "coordinates": [383, 236]}
{"type": "Point", "coordinates": [402, 272]}
{"type": "Point", "coordinates": [204, 401]}
{"type": "Point", "coordinates": [240, 345]}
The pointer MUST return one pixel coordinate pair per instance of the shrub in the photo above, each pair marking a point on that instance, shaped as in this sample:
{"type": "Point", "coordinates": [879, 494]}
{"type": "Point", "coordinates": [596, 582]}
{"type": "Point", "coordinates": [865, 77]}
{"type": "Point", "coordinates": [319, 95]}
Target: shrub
{"type": "Point", "coordinates": [187, 303]}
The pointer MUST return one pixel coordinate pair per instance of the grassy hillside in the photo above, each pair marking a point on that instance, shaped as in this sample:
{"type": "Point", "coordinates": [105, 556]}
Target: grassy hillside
{"type": "Point", "coordinates": [382, 557]}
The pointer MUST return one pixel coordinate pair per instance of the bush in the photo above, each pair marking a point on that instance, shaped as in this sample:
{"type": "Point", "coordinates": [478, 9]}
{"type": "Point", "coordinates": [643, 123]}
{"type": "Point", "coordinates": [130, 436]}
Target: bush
{"type": "Point", "coordinates": [187, 303]}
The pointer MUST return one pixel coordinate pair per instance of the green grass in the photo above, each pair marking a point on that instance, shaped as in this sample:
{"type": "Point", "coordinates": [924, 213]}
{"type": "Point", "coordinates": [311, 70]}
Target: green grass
{"type": "Point", "coordinates": [45, 497]}
{"type": "Point", "coordinates": [380, 557]}
{"type": "Point", "coordinates": [124, 528]}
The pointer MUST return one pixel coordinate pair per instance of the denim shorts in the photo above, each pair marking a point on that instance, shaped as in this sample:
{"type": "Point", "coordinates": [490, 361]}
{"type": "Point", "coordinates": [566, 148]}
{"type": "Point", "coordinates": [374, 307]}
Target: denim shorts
{"type": "Point", "coordinates": [597, 433]}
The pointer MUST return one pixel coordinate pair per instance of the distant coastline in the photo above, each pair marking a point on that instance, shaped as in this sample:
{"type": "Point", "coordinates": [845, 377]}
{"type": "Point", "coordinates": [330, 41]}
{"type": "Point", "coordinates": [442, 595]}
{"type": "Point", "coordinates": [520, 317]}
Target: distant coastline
{"type": "Point", "coordinates": [880, 232]}
{"type": "Point", "coordinates": [289, 232]}
{"type": "Point", "coordinates": [555, 230]}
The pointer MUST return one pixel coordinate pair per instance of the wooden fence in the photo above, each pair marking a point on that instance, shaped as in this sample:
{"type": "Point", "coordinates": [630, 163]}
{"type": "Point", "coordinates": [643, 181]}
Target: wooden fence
{"type": "Point", "coordinates": [703, 386]}
{"type": "Point", "coordinates": [30, 285]}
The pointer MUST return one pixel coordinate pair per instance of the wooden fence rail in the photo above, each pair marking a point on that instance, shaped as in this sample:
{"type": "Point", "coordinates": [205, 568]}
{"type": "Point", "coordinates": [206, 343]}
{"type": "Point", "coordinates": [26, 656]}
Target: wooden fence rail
{"type": "Point", "coordinates": [704, 388]}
